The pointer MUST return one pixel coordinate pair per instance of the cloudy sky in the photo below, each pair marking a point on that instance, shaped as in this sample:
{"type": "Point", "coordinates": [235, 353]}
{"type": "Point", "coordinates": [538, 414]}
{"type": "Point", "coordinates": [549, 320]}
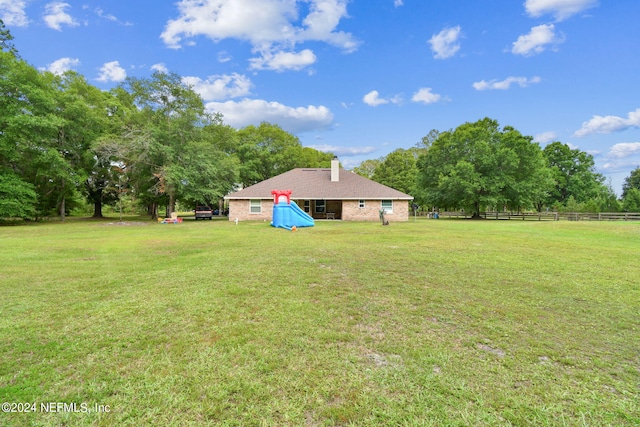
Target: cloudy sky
{"type": "Point", "coordinates": [361, 78]}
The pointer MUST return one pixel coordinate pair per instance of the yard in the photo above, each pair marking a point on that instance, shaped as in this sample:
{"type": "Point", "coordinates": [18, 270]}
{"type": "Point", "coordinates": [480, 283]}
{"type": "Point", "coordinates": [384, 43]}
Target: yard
{"type": "Point", "coordinates": [429, 323]}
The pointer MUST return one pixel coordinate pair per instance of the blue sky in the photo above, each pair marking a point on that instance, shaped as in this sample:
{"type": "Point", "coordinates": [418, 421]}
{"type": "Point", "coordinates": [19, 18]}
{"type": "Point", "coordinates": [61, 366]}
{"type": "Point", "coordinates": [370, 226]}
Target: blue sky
{"type": "Point", "coordinates": [362, 78]}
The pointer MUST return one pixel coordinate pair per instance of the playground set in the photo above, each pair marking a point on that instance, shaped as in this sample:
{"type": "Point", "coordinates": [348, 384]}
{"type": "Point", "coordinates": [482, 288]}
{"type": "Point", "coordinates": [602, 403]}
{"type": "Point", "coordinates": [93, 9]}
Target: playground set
{"type": "Point", "coordinates": [286, 214]}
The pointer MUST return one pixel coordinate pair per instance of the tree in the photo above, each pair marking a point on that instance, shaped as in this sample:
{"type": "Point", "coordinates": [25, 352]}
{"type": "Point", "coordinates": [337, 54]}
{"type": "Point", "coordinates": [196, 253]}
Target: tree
{"type": "Point", "coordinates": [398, 170]}
{"type": "Point", "coordinates": [166, 115]}
{"type": "Point", "coordinates": [427, 140]}
{"type": "Point", "coordinates": [267, 150]}
{"type": "Point", "coordinates": [88, 114]}
{"type": "Point", "coordinates": [204, 174]}
{"type": "Point", "coordinates": [17, 198]}
{"type": "Point", "coordinates": [632, 181]}
{"type": "Point", "coordinates": [30, 125]}
{"type": "Point", "coordinates": [574, 174]}
{"type": "Point", "coordinates": [367, 168]}
{"type": "Point", "coordinates": [477, 166]}
{"type": "Point", "coordinates": [6, 40]}
{"type": "Point", "coordinates": [312, 158]}
{"type": "Point", "coordinates": [631, 201]}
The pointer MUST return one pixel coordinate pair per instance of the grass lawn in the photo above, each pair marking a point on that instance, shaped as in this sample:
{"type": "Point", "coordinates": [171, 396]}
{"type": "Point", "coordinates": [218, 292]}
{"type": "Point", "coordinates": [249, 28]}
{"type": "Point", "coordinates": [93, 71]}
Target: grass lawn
{"type": "Point", "coordinates": [427, 323]}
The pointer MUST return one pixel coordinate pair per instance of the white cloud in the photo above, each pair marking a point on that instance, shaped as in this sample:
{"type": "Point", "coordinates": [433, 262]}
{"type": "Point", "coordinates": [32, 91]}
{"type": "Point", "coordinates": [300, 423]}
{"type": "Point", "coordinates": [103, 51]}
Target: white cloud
{"type": "Point", "coordinates": [61, 65]}
{"type": "Point", "coordinates": [55, 16]}
{"type": "Point", "coordinates": [425, 96]}
{"type": "Point", "coordinates": [609, 124]}
{"type": "Point", "coordinates": [112, 72]}
{"type": "Point", "coordinates": [223, 56]}
{"type": "Point", "coordinates": [218, 88]}
{"type": "Point", "coordinates": [373, 99]}
{"type": "Point", "coordinates": [398, 3]}
{"type": "Point", "coordinates": [445, 43]}
{"type": "Point", "coordinates": [160, 67]}
{"type": "Point", "coordinates": [536, 41]}
{"type": "Point", "coordinates": [270, 26]}
{"type": "Point", "coordinates": [343, 151]}
{"type": "Point", "coordinates": [12, 12]}
{"type": "Point", "coordinates": [254, 111]}
{"type": "Point", "coordinates": [624, 149]}
{"type": "Point", "coordinates": [560, 9]}
{"type": "Point", "coordinates": [281, 61]}
{"type": "Point", "coordinates": [545, 137]}
{"type": "Point", "coordinates": [109, 17]}
{"type": "Point", "coordinates": [506, 83]}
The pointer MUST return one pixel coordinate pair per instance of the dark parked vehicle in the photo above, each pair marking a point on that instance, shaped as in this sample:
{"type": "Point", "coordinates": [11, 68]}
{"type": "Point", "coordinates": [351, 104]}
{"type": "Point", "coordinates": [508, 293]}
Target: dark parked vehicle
{"type": "Point", "coordinates": [203, 212]}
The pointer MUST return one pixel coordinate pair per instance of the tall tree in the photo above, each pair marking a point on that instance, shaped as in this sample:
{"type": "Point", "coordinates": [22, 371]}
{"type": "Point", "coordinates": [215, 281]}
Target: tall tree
{"type": "Point", "coordinates": [478, 165]}
{"type": "Point", "coordinates": [17, 198]}
{"type": "Point", "coordinates": [171, 149]}
{"type": "Point", "coordinates": [632, 181]}
{"type": "Point", "coordinates": [398, 170]}
{"type": "Point", "coordinates": [265, 151]}
{"type": "Point", "coordinates": [574, 174]}
{"type": "Point", "coordinates": [631, 201]}
{"type": "Point", "coordinates": [6, 40]}
{"type": "Point", "coordinates": [87, 114]}
{"type": "Point", "coordinates": [169, 114]}
{"type": "Point", "coordinates": [367, 168]}
{"type": "Point", "coordinates": [29, 124]}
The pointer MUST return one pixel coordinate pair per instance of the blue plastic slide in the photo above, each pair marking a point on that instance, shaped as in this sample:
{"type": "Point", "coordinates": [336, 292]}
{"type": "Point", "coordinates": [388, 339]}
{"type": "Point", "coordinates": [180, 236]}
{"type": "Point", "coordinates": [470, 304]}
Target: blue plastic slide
{"type": "Point", "coordinates": [287, 216]}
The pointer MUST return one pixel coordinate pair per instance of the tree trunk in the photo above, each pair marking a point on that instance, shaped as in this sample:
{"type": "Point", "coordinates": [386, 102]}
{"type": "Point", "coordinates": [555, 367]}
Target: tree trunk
{"type": "Point", "coordinates": [476, 211]}
{"type": "Point", "coordinates": [62, 209]}
{"type": "Point", "coordinates": [172, 203]}
{"type": "Point", "coordinates": [97, 209]}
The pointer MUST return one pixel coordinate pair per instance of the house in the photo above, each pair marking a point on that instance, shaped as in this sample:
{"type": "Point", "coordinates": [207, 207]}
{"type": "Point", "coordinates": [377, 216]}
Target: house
{"type": "Point", "coordinates": [323, 193]}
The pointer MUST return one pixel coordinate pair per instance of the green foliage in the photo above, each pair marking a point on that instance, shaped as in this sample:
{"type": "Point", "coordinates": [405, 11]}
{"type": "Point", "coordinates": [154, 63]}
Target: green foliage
{"type": "Point", "coordinates": [477, 166]}
{"type": "Point", "coordinates": [267, 150]}
{"type": "Point", "coordinates": [367, 168]}
{"type": "Point", "coordinates": [203, 174]}
{"type": "Point", "coordinates": [631, 201]}
{"type": "Point", "coordinates": [398, 170]}
{"type": "Point", "coordinates": [17, 198]}
{"type": "Point", "coordinates": [574, 174]}
{"type": "Point", "coordinates": [630, 182]}
{"type": "Point", "coordinates": [6, 40]}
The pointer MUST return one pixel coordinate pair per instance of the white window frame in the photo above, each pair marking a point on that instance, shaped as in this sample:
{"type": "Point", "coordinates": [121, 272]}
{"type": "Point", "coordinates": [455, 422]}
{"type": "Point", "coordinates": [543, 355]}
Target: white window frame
{"type": "Point", "coordinates": [388, 210]}
{"type": "Point", "coordinates": [322, 208]}
{"type": "Point", "coordinates": [253, 204]}
{"type": "Point", "coordinates": [361, 204]}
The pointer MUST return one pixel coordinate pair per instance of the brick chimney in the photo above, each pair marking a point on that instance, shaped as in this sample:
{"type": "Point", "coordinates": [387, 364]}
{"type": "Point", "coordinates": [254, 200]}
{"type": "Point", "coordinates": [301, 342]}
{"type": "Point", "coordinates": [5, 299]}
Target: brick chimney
{"type": "Point", "coordinates": [335, 169]}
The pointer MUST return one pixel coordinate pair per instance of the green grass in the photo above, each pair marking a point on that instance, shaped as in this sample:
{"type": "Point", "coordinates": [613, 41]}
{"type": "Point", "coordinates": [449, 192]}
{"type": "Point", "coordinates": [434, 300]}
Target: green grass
{"type": "Point", "coordinates": [427, 323]}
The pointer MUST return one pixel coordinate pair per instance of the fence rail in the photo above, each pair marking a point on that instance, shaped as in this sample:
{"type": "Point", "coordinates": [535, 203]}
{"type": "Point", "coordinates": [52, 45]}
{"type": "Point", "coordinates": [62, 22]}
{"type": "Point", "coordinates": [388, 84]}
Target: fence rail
{"type": "Point", "coordinates": [553, 216]}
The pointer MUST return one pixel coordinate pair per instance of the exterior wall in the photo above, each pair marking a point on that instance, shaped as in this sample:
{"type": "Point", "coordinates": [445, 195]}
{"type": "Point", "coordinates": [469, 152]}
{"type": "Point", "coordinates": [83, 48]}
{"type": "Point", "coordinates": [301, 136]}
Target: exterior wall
{"type": "Point", "coordinates": [371, 211]}
{"type": "Point", "coordinates": [241, 209]}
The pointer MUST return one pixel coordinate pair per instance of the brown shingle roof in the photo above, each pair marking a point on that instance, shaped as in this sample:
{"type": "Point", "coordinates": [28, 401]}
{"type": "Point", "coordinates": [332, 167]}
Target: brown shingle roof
{"type": "Point", "coordinates": [309, 183]}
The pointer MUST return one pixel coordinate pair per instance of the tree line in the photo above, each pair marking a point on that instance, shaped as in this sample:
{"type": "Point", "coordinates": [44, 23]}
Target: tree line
{"type": "Point", "coordinates": [65, 143]}
{"type": "Point", "coordinates": [480, 166]}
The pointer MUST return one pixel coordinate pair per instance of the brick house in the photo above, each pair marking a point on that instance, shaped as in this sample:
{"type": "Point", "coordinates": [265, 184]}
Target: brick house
{"type": "Point", "coordinates": [333, 193]}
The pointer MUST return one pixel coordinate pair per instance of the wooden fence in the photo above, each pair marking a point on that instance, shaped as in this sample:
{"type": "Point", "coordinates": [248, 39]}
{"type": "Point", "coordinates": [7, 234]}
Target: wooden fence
{"type": "Point", "coordinates": [553, 216]}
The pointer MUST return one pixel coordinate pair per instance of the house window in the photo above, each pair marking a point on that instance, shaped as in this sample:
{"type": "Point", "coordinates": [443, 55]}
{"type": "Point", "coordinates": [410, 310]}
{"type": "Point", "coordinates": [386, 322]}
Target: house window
{"type": "Point", "coordinates": [387, 206]}
{"type": "Point", "coordinates": [256, 206]}
{"type": "Point", "coordinates": [361, 204]}
{"type": "Point", "coordinates": [307, 206]}
{"type": "Point", "coordinates": [320, 206]}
